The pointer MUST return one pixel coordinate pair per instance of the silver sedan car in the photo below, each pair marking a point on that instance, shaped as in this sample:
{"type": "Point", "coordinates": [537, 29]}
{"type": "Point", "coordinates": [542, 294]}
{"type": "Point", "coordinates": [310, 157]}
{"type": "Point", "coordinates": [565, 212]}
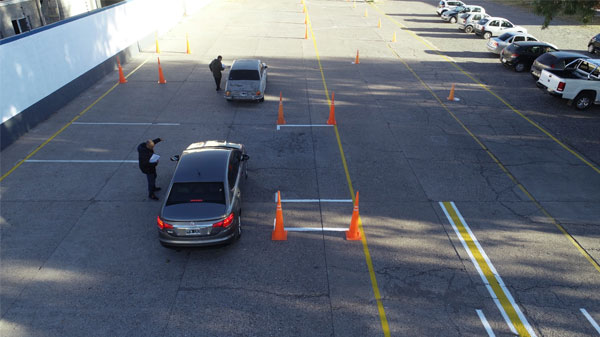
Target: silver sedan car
{"type": "Point", "coordinates": [247, 81]}
{"type": "Point", "coordinates": [203, 204]}
{"type": "Point", "coordinates": [496, 44]}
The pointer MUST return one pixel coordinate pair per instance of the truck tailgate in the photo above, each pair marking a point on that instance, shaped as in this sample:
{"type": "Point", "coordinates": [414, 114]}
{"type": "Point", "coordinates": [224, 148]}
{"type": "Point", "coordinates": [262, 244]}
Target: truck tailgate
{"type": "Point", "coordinates": [549, 81]}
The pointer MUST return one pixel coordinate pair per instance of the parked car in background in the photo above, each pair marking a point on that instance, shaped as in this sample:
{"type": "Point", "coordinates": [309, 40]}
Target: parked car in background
{"type": "Point", "coordinates": [452, 15]}
{"type": "Point", "coordinates": [556, 60]}
{"type": "Point", "coordinates": [520, 55]}
{"type": "Point", "coordinates": [446, 5]}
{"type": "Point", "coordinates": [494, 26]}
{"type": "Point", "coordinates": [496, 44]}
{"type": "Point", "coordinates": [594, 44]}
{"type": "Point", "coordinates": [467, 21]}
{"type": "Point", "coordinates": [203, 204]}
{"type": "Point", "coordinates": [247, 81]}
{"type": "Point", "coordinates": [579, 82]}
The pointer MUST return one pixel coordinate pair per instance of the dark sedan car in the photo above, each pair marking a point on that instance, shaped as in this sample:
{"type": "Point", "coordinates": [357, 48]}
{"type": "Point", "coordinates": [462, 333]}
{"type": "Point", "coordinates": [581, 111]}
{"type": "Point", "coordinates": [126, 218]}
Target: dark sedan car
{"type": "Point", "coordinates": [203, 204]}
{"type": "Point", "coordinates": [556, 60]}
{"type": "Point", "coordinates": [520, 55]}
{"type": "Point", "coordinates": [594, 44]}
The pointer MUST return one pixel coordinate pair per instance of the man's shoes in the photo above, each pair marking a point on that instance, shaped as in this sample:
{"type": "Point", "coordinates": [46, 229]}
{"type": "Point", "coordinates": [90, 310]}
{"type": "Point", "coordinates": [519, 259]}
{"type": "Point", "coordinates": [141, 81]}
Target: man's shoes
{"type": "Point", "coordinates": [218, 89]}
{"type": "Point", "coordinates": [153, 196]}
{"type": "Point", "coordinates": [157, 189]}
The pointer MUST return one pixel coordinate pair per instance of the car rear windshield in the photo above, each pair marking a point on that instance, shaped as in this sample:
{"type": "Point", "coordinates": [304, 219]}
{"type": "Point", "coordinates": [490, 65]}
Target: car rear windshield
{"type": "Point", "coordinates": [505, 36]}
{"type": "Point", "coordinates": [204, 192]}
{"type": "Point", "coordinates": [546, 58]}
{"type": "Point", "coordinates": [244, 75]}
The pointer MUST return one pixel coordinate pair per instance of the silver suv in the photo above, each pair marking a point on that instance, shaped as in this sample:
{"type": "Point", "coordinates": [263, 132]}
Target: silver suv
{"type": "Point", "coordinates": [446, 5]}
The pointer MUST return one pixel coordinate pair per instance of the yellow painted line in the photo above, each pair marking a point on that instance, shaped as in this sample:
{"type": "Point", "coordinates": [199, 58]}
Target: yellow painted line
{"type": "Point", "coordinates": [67, 125]}
{"type": "Point", "coordinates": [486, 88]}
{"type": "Point", "coordinates": [488, 273]}
{"type": "Point", "coordinates": [382, 316]}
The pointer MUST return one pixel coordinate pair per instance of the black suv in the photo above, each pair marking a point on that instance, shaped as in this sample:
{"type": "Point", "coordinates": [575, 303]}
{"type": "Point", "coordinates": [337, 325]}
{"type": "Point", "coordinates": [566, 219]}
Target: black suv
{"type": "Point", "coordinates": [594, 44]}
{"type": "Point", "coordinates": [520, 55]}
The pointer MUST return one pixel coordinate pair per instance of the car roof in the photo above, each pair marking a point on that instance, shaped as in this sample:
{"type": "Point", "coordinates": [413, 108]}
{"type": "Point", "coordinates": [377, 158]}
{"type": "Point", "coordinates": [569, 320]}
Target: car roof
{"type": "Point", "coordinates": [202, 165]}
{"type": "Point", "coordinates": [497, 18]}
{"type": "Point", "coordinates": [561, 54]}
{"type": "Point", "coordinates": [532, 43]}
{"type": "Point", "coordinates": [246, 64]}
{"type": "Point", "coordinates": [518, 33]}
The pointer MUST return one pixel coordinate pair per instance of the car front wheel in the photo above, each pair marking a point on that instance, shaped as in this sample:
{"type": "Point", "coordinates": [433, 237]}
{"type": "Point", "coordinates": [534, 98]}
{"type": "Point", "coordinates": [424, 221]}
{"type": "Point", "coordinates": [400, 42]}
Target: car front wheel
{"type": "Point", "coordinates": [584, 100]}
{"type": "Point", "coordinates": [519, 67]}
{"type": "Point", "coordinates": [487, 35]}
{"type": "Point", "coordinates": [591, 49]}
{"type": "Point", "coordinates": [469, 29]}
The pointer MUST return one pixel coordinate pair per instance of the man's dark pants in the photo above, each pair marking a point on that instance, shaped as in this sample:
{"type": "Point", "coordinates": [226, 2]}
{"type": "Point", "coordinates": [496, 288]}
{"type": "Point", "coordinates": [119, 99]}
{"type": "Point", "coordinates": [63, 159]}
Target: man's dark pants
{"type": "Point", "coordinates": [218, 82]}
{"type": "Point", "coordinates": [151, 182]}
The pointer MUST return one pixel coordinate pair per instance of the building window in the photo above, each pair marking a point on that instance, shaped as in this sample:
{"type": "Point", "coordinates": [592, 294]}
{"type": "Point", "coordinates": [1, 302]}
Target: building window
{"type": "Point", "coordinates": [21, 25]}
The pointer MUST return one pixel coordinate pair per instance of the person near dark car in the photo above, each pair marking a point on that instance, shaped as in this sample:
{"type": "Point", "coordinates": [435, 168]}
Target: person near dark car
{"type": "Point", "coordinates": [148, 164]}
{"type": "Point", "coordinates": [216, 67]}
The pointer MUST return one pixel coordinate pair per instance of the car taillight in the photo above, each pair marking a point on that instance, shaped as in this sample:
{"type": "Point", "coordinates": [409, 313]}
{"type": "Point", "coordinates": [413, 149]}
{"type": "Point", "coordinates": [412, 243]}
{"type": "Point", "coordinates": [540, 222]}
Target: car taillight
{"type": "Point", "coordinates": [552, 66]}
{"type": "Point", "coordinates": [258, 93]}
{"type": "Point", "coordinates": [514, 55]}
{"type": "Point", "coordinates": [227, 93]}
{"type": "Point", "coordinates": [163, 225]}
{"type": "Point", "coordinates": [561, 86]}
{"type": "Point", "coordinates": [495, 44]}
{"type": "Point", "coordinates": [224, 223]}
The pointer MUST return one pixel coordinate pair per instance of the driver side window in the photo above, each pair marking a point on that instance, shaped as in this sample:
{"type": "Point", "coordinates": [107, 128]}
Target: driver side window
{"type": "Point", "coordinates": [233, 168]}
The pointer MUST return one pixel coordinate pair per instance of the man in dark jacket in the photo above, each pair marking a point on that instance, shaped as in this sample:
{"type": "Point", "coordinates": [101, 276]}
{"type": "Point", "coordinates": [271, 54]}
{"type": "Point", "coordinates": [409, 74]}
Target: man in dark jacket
{"type": "Point", "coordinates": [216, 67]}
{"type": "Point", "coordinates": [145, 151]}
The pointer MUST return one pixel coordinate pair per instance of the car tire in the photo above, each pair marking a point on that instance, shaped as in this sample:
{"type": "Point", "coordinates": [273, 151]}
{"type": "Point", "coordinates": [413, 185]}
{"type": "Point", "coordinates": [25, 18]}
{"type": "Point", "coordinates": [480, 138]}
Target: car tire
{"type": "Point", "coordinates": [583, 101]}
{"type": "Point", "coordinates": [519, 67]}
{"type": "Point", "coordinates": [469, 29]}
{"type": "Point", "coordinates": [262, 99]}
{"type": "Point", "coordinates": [591, 49]}
{"type": "Point", "coordinates": [487, 35]}
{"type": "Point", "coordinates": [453, 19]}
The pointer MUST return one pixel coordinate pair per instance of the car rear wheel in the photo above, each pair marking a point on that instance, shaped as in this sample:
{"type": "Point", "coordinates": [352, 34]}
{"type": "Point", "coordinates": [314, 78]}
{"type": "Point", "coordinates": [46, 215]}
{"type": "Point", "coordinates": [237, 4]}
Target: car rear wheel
{"type": "Point", "coordinates": [487, 35]}
{"type": "Point", "coordinates": [591, 49]}
{"type": "Point", "coordinates": [584, 100]}
{"type": "Point", "coordinates": [453, 19]}
{"type": "Point", "coordinates": [519, 67]}
{"type": "Point", "coordinates": [469, 29]}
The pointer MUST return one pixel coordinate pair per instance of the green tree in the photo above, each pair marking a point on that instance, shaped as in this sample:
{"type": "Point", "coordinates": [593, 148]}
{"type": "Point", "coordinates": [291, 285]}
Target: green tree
{"type": "Point", "coordinates": [583, 10]}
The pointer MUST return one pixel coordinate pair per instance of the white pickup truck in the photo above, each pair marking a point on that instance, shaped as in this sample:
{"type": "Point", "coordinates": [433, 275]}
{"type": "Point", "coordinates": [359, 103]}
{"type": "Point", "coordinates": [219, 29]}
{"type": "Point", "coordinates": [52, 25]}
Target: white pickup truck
{"type": "Point", "coordinates": [579, 82]}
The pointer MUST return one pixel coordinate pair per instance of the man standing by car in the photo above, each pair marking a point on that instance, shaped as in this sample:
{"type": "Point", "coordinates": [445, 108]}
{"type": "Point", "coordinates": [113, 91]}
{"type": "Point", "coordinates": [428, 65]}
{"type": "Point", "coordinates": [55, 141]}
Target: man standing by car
{"type": "Point", "coordinates": [216, 67]}
{"type": "Point", "coordinates": [148, 161]}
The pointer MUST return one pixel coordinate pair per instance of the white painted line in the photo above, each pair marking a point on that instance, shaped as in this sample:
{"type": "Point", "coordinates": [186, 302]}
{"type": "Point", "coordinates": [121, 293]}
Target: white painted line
{"type": "Point", "coordinates": [79, 161]}
{"type": "Point", "coordinates": [107, 123]}
{"type": "Point", "coordinates": [590, 319]}
{"type": "Point", "coordinates": [492, 269]}
{"type": "Point", "coordinates": [315, 229]}
{"type": "Point", "coordinates": [485, 323]}
{"type": "Point", "coordinates": [301, 125]}
{"type": "Point", "coordinates": [313, 200]}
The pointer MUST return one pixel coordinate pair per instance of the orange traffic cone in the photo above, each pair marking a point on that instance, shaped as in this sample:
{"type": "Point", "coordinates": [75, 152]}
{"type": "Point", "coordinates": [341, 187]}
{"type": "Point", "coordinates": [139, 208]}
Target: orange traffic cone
{"type": "Point", "coordinates": [306, 32]}
{"type": "Point", "coordinates": [157, 48]}
{"type": "Point", "coordinates": [394, 38]}
{"type": "Point", "coordinates": [280, 120]}
{"type": "Point", "coordinates": [304, 9]}
{"type": "Point", "coordinates": [161, 77]}
{"type": "Point", "coordinates": [451, 96]}
{"type": "Point", "coordinates": [331, 120]}
{"type": "Point", "coordinates": [187, 43]}
{"type": "Point", "coordinates": [357, 61]}
{"type": "Point", "coordinates": [353, 233]}
{"type": "Point", "coordinates": [279, 233]}
{"type": "Point", "coordinates": [379, 24]}
{"type": "Point", "coordinates": [122, 78]}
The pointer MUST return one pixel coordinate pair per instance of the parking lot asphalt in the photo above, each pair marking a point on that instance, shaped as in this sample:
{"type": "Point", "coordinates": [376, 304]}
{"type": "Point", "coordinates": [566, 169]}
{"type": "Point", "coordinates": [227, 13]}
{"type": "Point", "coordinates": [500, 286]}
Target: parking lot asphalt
{"type": "Point", "coordinates": [482, 211]}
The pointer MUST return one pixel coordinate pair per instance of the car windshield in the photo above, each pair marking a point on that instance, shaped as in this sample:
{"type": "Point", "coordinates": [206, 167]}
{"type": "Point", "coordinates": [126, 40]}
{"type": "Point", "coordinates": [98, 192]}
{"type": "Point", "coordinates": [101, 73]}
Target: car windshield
{"type": "Point", "coordinates": [203, 192]}
{"type": "Point", "coordinates": [244, 75]}
{"type": "Point", "coordinates": [459, 9]}
{"type": "Point", "coordinates": [505, 36]}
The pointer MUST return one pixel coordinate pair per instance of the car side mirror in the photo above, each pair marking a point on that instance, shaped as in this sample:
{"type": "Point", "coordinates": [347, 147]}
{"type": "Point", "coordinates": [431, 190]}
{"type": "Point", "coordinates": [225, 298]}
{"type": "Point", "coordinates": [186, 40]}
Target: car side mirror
{"type": "Point", "coordinates": [266, 66]}
{"type": "Point", "coordinates": [245, 157]}
{"type": "Point", "coordinates": [175, 158]}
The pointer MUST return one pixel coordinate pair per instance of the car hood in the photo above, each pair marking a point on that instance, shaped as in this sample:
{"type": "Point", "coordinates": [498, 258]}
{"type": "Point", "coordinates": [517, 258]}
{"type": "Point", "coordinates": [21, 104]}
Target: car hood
{"type": "Point", "coordinates": [243, 85]}
{"type": "Point", "coordinates": [193, 211]}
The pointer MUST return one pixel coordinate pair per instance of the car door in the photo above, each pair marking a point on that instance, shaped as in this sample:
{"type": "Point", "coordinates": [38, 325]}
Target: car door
{"type": "Point", "coordinates": [494, 26]}
{"type": "Point", "coordinates": [233, 179]}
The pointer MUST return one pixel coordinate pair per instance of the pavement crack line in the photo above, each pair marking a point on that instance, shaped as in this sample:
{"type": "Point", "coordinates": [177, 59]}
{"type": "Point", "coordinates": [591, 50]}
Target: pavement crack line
{"type": "Point", "coordinates": [258, 291]}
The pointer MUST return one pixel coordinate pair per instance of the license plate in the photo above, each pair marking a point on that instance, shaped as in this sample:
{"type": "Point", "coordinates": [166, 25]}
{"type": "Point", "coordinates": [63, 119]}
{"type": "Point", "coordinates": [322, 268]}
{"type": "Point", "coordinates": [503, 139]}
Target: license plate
{"type": "Point", "coordinates": [199, 231]}
{"type": "Point", "coordinates": [243, 94]}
